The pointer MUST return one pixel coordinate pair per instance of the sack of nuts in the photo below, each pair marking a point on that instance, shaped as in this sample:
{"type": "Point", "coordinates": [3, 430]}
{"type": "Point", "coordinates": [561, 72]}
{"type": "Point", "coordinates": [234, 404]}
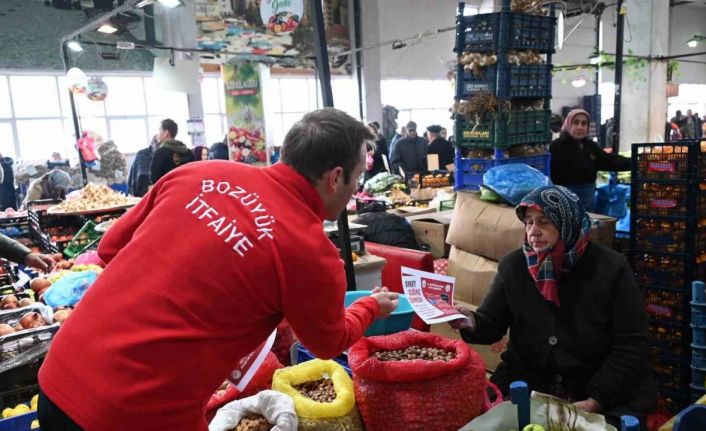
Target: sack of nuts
{"type": "Point", "coordinates": [416, 381]}
{"type": "Point", "coordinates": [323, 395]}
{"type": "Point", "coordinates": [261, 412]}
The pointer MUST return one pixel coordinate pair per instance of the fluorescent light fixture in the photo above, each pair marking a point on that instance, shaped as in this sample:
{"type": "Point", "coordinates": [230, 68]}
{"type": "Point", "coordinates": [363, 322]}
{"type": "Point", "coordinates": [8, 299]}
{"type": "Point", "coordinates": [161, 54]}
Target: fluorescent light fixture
{"type": "Point", "coordinates": [694, 41]}
{"type": "Point", "coordinates": [143, 3]}
{"type": "Point", "coordinates": [560, 30]}
{"type": "Point", "coordinates": [107, 28]}
{"type": "Point", "coordinates": [170, 4]}
{"type": "Point", "coordinates": [579, 82]}
{"type": "Point", "coordinates": [74, 46]}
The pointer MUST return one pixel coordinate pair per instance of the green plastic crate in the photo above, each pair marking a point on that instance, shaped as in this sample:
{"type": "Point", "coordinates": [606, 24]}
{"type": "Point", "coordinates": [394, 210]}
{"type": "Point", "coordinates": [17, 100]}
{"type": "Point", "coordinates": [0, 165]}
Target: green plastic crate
{"type": "Point", "coordinates": [504, 130]}
{"type": "Point", "coordinates": [84, 239]}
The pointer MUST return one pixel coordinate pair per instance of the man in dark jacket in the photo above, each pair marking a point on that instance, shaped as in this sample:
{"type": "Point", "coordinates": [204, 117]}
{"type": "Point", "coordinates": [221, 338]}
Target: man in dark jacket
{"type": "Point", "coordinates": [170, 155]}
{"type": "Point", "coordinates": [440, 146]}
{"type": "Point", "coordinates": [139, 179]}
{"type": "Point", "coordinates": [410, 153]}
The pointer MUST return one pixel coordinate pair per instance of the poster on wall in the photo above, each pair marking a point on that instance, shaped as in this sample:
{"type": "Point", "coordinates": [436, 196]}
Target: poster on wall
{"type": "Point", "coordinates": [274, 27]}
{"type": "Point", "coordinates": [245, 113]}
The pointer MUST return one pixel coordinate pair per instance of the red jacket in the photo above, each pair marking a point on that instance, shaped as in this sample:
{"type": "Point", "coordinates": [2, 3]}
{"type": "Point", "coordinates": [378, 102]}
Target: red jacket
{"type": "Point", "coordinates": [199, 274]}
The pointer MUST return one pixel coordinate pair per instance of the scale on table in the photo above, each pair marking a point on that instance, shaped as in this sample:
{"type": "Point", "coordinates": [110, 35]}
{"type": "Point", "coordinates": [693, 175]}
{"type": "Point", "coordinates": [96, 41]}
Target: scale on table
{"type": "Point", "coordinates": [356, 235]}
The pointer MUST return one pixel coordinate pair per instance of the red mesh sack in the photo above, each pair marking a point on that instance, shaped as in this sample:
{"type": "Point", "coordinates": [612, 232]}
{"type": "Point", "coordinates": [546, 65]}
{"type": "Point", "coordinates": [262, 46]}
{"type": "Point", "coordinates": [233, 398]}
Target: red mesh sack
{"type": "Point", "coordinates": [260, 381]}
{"type": "Point", "coordinates": [283, 343]}
{"type": "Point", "coordinates": [417, 395]}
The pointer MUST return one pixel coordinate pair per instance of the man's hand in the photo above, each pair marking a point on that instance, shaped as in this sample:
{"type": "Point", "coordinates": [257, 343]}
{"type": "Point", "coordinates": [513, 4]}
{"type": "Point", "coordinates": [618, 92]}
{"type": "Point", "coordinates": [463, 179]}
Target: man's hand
{"type": "Point", "coordinates": [39, 261]}
{"type": "Point", "coordinates": [589, 405]}
{"type": "Point", "coordinates": [387, 301]}
{"type": "Point", "coordinates": [469, 323]}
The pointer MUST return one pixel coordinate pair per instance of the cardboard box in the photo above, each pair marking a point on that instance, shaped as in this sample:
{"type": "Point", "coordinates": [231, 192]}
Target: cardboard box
{"type": "Point", "coordinates": [411, 211]}
{"type": "Point", "coordinates": [490, 354]}
{"type": "Point", "coordinates": [430, 230]}
{"type": "Point", "coordinates": [423, 194]}
{"type": "Point", "coordinates": [474, 275]}
{"type": "Point", "coordinates": [483, 228]}
{"type": "Point", "coordinates": [603, 229]}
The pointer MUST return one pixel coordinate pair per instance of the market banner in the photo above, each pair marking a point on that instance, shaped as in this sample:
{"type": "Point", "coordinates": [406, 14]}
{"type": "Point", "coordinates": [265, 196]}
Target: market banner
{"type": "Point", "coordinates": [279, 28]}
{"type": "Point", "coordinates": [244, 112]}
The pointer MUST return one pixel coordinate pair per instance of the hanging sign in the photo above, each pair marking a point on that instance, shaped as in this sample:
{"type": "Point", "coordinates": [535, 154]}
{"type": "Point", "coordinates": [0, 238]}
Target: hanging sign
{"type": "Point", "coordinates": [281, 16]}
{"type": "Point", "coordinates": [245, 113]}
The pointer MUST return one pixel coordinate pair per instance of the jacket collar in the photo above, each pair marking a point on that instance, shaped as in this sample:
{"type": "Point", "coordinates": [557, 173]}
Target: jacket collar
{"type": "Point", "coordinates": [298, 185]}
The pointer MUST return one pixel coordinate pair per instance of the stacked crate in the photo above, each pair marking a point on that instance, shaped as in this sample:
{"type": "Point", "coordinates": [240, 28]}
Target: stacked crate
{"type": "Point", "coordinates": [698, 346]}
{"type": "Point", "coordinates": [668, 252]}
{"type": "Point", "coordinates": [494, 139]}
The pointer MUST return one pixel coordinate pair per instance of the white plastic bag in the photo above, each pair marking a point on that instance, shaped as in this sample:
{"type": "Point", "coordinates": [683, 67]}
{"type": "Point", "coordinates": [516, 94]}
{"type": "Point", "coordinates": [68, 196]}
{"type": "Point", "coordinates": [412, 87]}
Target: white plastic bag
{"type": "Point", "coordinates": [543, 409]}
{"type": "Point", "coordinates": [276, 407]}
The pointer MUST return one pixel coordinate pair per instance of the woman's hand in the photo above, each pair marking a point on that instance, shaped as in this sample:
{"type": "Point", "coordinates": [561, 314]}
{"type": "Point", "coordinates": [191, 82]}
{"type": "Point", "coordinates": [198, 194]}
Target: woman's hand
{"type": "Point", "coordinates": [468, 324]}
{"type": "Point", "coordinates": [589, 405]}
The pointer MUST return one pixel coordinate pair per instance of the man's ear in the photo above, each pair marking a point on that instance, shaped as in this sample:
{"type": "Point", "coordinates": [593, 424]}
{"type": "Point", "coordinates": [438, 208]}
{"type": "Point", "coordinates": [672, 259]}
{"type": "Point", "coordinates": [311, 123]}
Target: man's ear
{"type": "Point", "coordinates": [333, 178]}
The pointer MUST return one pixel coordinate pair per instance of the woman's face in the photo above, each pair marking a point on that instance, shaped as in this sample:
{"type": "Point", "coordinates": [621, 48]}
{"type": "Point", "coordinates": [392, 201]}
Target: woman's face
{"type": "Point", "coordinates": [541, 232]}
{"type": "Point", "coordinates": [204, 154]}
{"type": "Point", "coordinates": [579, 127]}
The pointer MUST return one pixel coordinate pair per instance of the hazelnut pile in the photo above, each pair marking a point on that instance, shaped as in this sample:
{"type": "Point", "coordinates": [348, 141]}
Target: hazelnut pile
{"type": "Point", "coordinates": [253, 422]}
{"type": "Point", "coordinates": [319, 390]}
{"type": "Point", "coordinates": [415, 352]}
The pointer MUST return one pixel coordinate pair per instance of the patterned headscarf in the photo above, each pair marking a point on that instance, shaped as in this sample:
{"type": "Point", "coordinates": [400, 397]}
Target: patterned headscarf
{"type": "Point", "coordinates": [566, 212]}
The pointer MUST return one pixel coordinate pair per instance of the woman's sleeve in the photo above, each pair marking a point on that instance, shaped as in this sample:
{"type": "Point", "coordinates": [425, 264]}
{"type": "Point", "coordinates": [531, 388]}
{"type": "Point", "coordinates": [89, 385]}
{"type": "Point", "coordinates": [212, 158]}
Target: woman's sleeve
{"type": "Point", "coordinates": [629, 345]}
{"type": "Point", "coordinates": [493, 317]}
{"type": "Point", "coordinates": [610, 162]}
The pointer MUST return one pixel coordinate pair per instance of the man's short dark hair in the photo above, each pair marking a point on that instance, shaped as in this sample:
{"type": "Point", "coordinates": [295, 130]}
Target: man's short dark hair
{"type": "Point", "coordinates": [170, 126]}
{"type": "Point", "coordinates": [322, 140]}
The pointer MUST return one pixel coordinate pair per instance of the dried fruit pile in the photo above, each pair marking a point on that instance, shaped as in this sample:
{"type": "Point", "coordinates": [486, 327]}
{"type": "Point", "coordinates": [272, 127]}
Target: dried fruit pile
{"type": "Point", "coordinates": [319, 390]}
{"type": "Point", "coordinates": [253, 422]}
{"type": "Point", "coordinates": [415, 352]}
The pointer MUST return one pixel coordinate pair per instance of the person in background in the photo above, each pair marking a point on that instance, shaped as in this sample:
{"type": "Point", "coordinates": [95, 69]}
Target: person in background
{"type": "Point", "coordinates": [576, 159]}
{"type": "Point", "coordinates": [698, 126]}
{"type": "Point", "coordinates": [244, 219]}
{"type": "Point", "coordinates": [52, 185]}
{"type": "Point", "coordinates": [139, 178]}
{"type": "Point", "coordinates": [444, 133]}
{"type": "Point", "coordinates": [378, 153]}
{"type": "Point", "coordinates": [440, 146]}
{"type": "Point", "coordinates": [171, 153]}
{"type": "Point", "coordinates": [410, 154]}
{"type": "Point", "coordinates": [393, 141]}
{"type": "Point", "coordinates": [200, 153]}
{"type": "Point", "coordinates": [555, 124]}
{"type": "Point", "coordinates": [219, 151]}
{"type": "Point", "coordinates": [578, 325]}
{"type": "Point", "coordinates": [113, 164]}
{"type": "Point", "coordinates": [8, 195]}
{"type": "Point", "coordinates": [689, 129]}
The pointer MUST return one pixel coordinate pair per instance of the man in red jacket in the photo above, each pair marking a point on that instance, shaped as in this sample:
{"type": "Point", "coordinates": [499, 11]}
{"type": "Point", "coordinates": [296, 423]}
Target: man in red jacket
{"type": "Point", "coordinates": [200, 273]}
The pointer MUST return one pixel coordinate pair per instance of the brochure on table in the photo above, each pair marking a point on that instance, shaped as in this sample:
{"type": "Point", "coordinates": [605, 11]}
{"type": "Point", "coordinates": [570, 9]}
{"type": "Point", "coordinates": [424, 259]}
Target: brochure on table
{"type": "Point", "coordinates": [431, 295]}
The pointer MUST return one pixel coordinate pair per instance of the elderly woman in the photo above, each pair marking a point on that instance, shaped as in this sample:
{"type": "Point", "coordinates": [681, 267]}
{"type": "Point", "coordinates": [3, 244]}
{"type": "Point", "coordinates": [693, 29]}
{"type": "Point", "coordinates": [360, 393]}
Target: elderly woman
{"type": "Point", "coordinates": [51, 185]}
{"type": "Point", "coordinates": [576, 159]}
{"type": "Point", "coordinates": [578, 326]}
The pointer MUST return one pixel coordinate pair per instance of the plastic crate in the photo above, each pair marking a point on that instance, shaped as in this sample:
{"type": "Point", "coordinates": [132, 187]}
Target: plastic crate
{"type": "Point", "coordinates": [481, 33]}
{"type": "Point", "coordinates": [698, 377]}
{"type": "Point", "coordinates": [12, 397]}
{"type": "Point", "coordinates": [19, 423]}
{"type": "Point", "coordinates": [698, 315]}
{"type": "Point", "coordinates": [677, 161]}
{"type": "Point", "coordinates": [668, 338]}
{"type": "Point", "coordinates": [302, 354]}
{"type": "Point", "coordinates": [86, 237]}
{"type": "Point", "coordinates": [698, 357]}
{"type": "Point", "coordinates": [667, 200]}
{"type": "Point", "coordinates": [533, 81]}
{"type": "Point", "coordinates": [665, 304]}
{"type": "Point", "coordinates": [469, 172]}
{"type": "Point", "coordinates": [504, 130]}
{"type": "Point", "coordinates": [669, 235]}
{"type": "Point", "coordinates": [665, 270]}
{"type": "Point", "coordinates": [671, 373]}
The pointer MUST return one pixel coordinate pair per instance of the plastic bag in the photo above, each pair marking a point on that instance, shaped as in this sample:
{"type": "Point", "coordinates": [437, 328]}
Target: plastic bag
{"type": "Point", "coordinates": [276, 407]}
{"type": "Point", "coordinates": [262, 380]}
{"type": "Point", "coordinates": [514, 180]}
{"type": "Point", "coordinates": [69, 289]}
{"type": "Point", "coordinates": [89, 258]}
{"type": "Point", "coordinates": [417, 395]}
{"type": "Point", "coordinates": [339, 415]}
{"type": "Point", "coordinates": [543, 410]}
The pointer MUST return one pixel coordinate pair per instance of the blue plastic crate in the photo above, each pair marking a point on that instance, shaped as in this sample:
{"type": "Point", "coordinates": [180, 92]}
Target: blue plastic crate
{"type": "Point", "coordinates": [698, 357]}
{"type": "Point", "coordinates": [698, 377]}
{"type": "Point", "coordinates": [304, 355]}
{"type": "Point", "coordinates": [481, 33]}
{"type": "Point", "coordinates": [698, 316]}
{"type": "Point", "coordinates": [533, 81]}
{"type": "Point", "coordinates": [469, 172]}
{"type": "Point", "coordinates": [19, 423]}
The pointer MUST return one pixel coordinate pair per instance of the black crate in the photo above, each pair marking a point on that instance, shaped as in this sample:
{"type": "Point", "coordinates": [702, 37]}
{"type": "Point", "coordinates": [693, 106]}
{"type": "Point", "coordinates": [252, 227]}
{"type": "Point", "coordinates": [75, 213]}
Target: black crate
{"type": "Point", "coordinates": [665, 270]}
{"type": "Point", "coordinates": [530, 81]}
{"type": "Point", "coordinates": [667, 306]}
{"type": "Point", "coordinates": [482, 32]}
{"type": "Point", "coordinates": [675, 161]}
{"type": "Point", "coordinates": [670, 235]}
{"type": "Point", "coordinates": [667, 199]}
{"type": "Point", "coordinates": [671, 373]}
{"type": "Point", "coordinates": [19, 395]}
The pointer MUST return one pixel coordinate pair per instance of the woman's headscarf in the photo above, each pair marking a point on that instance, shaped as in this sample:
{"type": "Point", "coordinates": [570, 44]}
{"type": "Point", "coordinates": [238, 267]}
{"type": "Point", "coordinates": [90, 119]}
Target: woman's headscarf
{"type": "Point", "coordinates": [55, 184]}
{"type": "Point", "coordinates": [570, 119]}
{"type": "Point", "coordinates": [198, 152]}
{"type": "Point", "coordinates": [566, 212]}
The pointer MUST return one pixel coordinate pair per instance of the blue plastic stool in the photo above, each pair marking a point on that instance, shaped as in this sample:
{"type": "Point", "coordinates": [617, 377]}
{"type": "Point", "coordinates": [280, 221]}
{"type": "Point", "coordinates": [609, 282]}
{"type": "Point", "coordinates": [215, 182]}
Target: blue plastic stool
{"type": "Point", "coordinates": [692, 418]}
{"type": "Point", "coordinates": [629, 423]}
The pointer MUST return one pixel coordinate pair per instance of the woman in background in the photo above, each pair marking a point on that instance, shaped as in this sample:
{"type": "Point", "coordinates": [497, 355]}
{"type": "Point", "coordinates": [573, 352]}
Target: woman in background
{"type": "Point", "coordinates": [200, 153]}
